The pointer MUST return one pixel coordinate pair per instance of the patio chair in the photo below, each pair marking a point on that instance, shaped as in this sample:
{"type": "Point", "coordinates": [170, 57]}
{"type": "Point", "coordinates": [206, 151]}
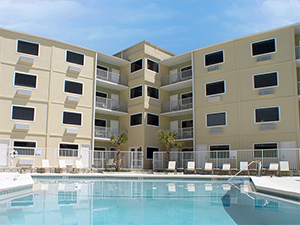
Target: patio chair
{"type": "Point", "coordinates": [273, 169]}
{"type": "Point", "coordinates": [244, 168]}
{"type": "Point", "coordinates": [110, 163]}
{"type": "Point", "coordinates": [79, 167]}
{"type": "Point", "coordinates": [171, 167]}
{"type": "Point", "coordinates": [284, 168]}
{"type": "Point", "coordinates": [46, 166]}
{"type": "Point", "coordinates": [226, 168]}
{"type": "Point", "coordinates": [190, 168]}
{"type": "Point", "coordinates": [62, 165]}
{"type": "Point", "coordinates": [208, 167]}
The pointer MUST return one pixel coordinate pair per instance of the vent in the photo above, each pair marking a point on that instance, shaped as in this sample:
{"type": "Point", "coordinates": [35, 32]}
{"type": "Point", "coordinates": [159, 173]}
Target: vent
{"type": "Point", "coordinates": [214, 99]}
{"type": "Point", "coordinates": [71, 131]}
{"type": "Point", "coordinates": [267, 127]}
{"type": "Point", "coordinates": [73, 98]}
{"type": "Point", "coordinates": [74, 69]}
{"type": "Point", "coordinates": [215, 131]}
{"type": "Point", "coordinates": [22, 126]}
{"type": "Point", "coordinates": [27, 60]}
{"type": "Point", "coordinates": [263, 58]}
{"type": "Point", "coordinates": [266, 92]}
{"type": "Point", "coordinates": [213, 68]}
{"type": "Point", "coordinates": [24, 92]}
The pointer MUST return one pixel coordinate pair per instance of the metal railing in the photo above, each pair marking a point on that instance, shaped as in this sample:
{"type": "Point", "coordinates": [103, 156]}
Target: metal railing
{"type": "Point", "coordinates": [297, 49]}
{"type": "Point", "coordinates": [178, 105]}
{"type": "Point", "coordinates": [184, 133]}
{"type": "Point", "coordinates": [106, 132]}
{"type": "Point", "coordinates": [114, 105]}
{"type": "Point", "coordinates": [112, 77]}
{"type": "Point", "coordinates": [176, 77]}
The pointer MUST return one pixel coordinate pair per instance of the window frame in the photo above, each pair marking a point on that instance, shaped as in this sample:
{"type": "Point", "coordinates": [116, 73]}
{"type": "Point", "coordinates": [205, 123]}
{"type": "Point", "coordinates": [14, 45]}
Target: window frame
{"type": "Point", "coordinates": [213, 95]}
{"type": "Point", "coordinates": [136, 87]}
{"type": "Point", "coordinates": [134, 62]}
{"type": "Point", "coordinates": [153, 88]}
{"type": "Point", "coordinates": [180, 69]}
{"type": "Point", "coordinates": [28, 74]}
{"type": "Point", "coordinates": [153, 114]}
{"type": "Point", "coordinates": [216, 125]}
{"type": "Point", "coordinates": [62, 121]}
{"type": "Point", "coordinates": [152, 152]}
{"type": "Point", "coordinates": [154, 62]}
{"type": "Point", "coordinates": [66, 54]}
{"type": "Point", "coordinates": [265, 149]}
{"type": "Point", "coordinates": [72, 92]}
{"type": "Point", "coordinates": [34, 113]}
{"type": "Point", "coordinates": [204, 58]}
{"type": "Point", "coordinates": [67, 143]}
{"type": "Point", "coordinates": [102, 120]}
{"type": "Point", "coordinates": [220, 150]}
{"type": "Point", "coordinates": [267, 121]}
{"type": "Point", "coordinates": [251, 48]}
{"type": "Point", "coordinates": [17, 44]}
{"type": "Point", "coordinates": [186, 121]}
{"type": "Point", "coordinates": [134, 115]}
{"type": "Point", "coordinates": [261, 74]}
{"type": "Point", "coordinates": [102, 67]}
{"type": "Point", "coordinates": [25, 147]}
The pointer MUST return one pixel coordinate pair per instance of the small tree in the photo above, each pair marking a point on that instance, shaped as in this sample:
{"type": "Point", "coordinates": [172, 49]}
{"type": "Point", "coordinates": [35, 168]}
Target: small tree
{"type": "Point", "coordinates": [167, 138]}
{"type": "Point", "coordinates": [118, 141]}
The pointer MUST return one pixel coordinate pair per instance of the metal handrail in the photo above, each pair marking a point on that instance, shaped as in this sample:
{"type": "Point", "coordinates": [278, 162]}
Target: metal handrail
{"type": "Point", "coordinates": [177, 77]}
{"type": "Point", "coordinates": [259, 169]}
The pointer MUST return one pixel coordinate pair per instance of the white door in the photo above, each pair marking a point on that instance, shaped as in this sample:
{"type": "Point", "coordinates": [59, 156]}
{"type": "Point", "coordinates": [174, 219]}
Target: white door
{"type": "Point", "coordinates": [3, 154]}
{"type": "Point", "coordinates": [136, 158]}
{"type": "Point", "coordinates": [114, 125]}
{"type": "Point", "coordinates": [288, 153]}
{"type": "Point", "coordinates": [174, 125]}
{"type": "Point", "coordinates": [173, 76]}
{"type": "Point", "coordinates": [201, 155]}
{"type": "Point", "coordinates": [85, 157]}
{"type": "Point", "coordinates": [115, 103]}
{"type": "Point", "coordinates": [115, 77]}
{"type": "Point", "coordinates": [173, 102]}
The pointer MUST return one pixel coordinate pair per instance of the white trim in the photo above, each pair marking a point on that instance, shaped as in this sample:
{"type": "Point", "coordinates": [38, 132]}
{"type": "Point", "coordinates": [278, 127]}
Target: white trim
{"type": "Point", "coordinates": [267, 121]}
{"type": "Point", "coordinates": [216, 125]}
{"type": "Point", "coordinates": [154, 62]}
{"type": "Point", "coordinates": [34, 113]}
{"type": "Point", "coordinates": [263, 53]}
{"type": "Point", "coordinates": [19, 86]}
{"type": "Point", "coordinates": [21, 53]}
{"type": "Point", "coordinates": [72, 62]}
{"type": "Point", "coordinates": [68, 143]}
{"type": "Point", "coordinates": [153, 115]}
{"type": "Point", "coordinates": [137, 124]}
{"type": "Point", "coordinates": [136, 87]}
{"type": "Point", "coordinates": [136, 70]}
{"type": "Point", "coordinates": [62, 120]}
{"type": "Point", "coordinates": [222, 50]}
{"type": "Point", "coordinates": [214, 94]}
{"type": "Point", "coordinates": [72, 92]}
{"type": "Point", "coordinates": [154, 88]}
{"type": "Point", "coordinates": [147, 151]}
{"type": "Point", "coordinates": [261, 74]}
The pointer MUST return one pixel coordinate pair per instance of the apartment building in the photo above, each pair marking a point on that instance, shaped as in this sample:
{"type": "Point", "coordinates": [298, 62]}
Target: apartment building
{"type": "Point", "coordinates": [63, 101]}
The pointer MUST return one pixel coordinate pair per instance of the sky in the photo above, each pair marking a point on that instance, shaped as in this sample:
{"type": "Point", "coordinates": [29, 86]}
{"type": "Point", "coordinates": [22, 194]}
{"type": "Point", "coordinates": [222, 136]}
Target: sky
{"type": "Point", "coordinates": [178, 26]}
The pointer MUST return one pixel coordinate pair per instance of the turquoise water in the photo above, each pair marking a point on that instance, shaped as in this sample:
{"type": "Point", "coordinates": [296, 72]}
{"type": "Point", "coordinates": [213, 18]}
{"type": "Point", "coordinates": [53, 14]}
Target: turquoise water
{"type": "Point", "coordinates": [135, 201]}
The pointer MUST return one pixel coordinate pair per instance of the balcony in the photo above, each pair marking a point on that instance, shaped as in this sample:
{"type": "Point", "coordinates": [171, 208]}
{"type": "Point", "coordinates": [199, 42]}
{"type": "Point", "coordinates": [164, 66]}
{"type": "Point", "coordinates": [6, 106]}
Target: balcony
{"type": "Point", "coordinates": [184, 133]}
{"type": "Point", "coordinates": [110, 106]}
{"type": "Point", "coordinates": [297, 52]}
{"type": "Point", "coordinates": [111, 80]}
{"type": "Point", "coordinates": [177, 81]}
{"type": "Point", "coordinates": [104, 133]}
{"type": "Point", "coordinates": [177, 108]}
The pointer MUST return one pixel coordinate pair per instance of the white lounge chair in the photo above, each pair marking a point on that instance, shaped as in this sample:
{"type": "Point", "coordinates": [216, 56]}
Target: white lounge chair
{"type": "Point", "coordinates": [110, 163]}
{"type": "Point", "coordinates": [190, 168]}
{"type": "Point", "coordinates": [208, 167]}
{"type": "Point", "coordinates": [244, 168]}
{"type": "Point", "coordinates": [273, 169]}
{"type": "Point", "coordinates": [284, 167]}
{"type": "Point", "coordinates": [171, 167]}
{"type": "Point", "coordinates": [62, 165]}
{"type": "Point", "coordinates": [226, 168]}
{"type": "Point", "coordinates": [46, 165]}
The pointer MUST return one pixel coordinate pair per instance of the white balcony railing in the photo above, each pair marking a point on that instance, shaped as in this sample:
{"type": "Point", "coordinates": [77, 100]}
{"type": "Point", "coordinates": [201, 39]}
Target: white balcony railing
{"type": "Point", "coordinates": [106, 103]}
{"type": "Point", "coordinates": [184, 133]}
{"type": "Point", "coordinates": [297, 52]}
{"type": "Point", "coordinates": [177, 77]}
{"type": "Point", "coordinates": [106, 132]}
{"type": "Point", "coordinates": [112, 77]}
{"type": "Point", "coordinates": [182, 104]}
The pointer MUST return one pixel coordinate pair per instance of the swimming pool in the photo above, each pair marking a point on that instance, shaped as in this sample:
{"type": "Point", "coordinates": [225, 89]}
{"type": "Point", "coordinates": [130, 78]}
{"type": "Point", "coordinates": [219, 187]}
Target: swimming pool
{"type": "Point", "coordinates": [145, 201]}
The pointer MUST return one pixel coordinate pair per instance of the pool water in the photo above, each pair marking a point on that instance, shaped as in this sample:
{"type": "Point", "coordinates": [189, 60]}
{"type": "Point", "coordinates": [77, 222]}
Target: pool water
{"type": "Point", "coordinates": [146, 201]}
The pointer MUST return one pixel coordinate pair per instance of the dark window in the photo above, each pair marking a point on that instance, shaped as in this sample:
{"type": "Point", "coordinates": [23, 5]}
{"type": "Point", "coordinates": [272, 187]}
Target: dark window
{"type": "Point", "coordinates": [28, 47]}
{"type": "Point", "coordinates": [149, 152]}
{"type": "Point", "coordinates": [186, 72]}
{"type": "Point", "coordinates": [267, 115]}
{"type": "Point", "coordinates": [187, 100]}
{"type": "Point", "coordinates": [73, 87]}
{"type": "Point", "coordinates": [214, 58]}
{"type": "Point", "coordinates": [263, 47]}
{"type": "Point", "coordinates": [101, 94]}
{"type": "Point", "coordinates": [136, 65]}
{"type": "Point", "coordinates": [100, 123]}
{"type": "Point", "coordinates": [74, 57]}
{"type": "Point", "coordinates": [265, 80]}
{"type": "Point", "coordinates": [23, 113]}
{"type": "Point", "coordinates": [266, 150]}
{"type": "Point", "coordinates": [25, 80]}
{"type": "Point", "coordinates": [71, 118]}
{"type": "Point", "coordinates": [216, 119]}
{"type": "Point", "coordinates": [136, 92]}
{"type": "Point", "coordinates": [68, 150]}
{"type": "Point", "coordinates": [151, 65]}
{"type": "Point", "coordinates": [215, 88]}
{"type": "Point", "coordinates": [187, 123]}
{"type": "Point", "coordinates": [136, 119]}
{"type": "Point", "coordinates": [24, 147]}
{"type": "Point", "coordinates": [219, 151]}
{"type": "Point", "coordinates": [152, 119]}
{"type": "Point", "coordinates": [153, 92]}
{"type": "Point", "coordinates": [102, 68]}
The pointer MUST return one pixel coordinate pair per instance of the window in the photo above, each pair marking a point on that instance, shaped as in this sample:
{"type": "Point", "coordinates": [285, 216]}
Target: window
{"type": "Point", "coordinates": [136, 92]}
{"type": "Point", "coordinates": [263, 115]}
{"type": "Point", "coordinates": [24, 147]}
{"type": "Point", "coordinates": [219, 151]}
{"type": "Point", "coordinates": [100, 123]}
{"type": "Point", "coordinates": [149, 152]}
{"type": "Point", "coordinates": [152, 120]}
{"type": "Point", "coordinates": [101, 94]}
{"type": "Point", "coordinates": [22, 113]}
{"type": "Point", "coordinates": [186, 72]}
{"type": "Point", "coordinates": [214, 58]}
{"type": "Point", "coordinates": [73, 87]}
{"type": "Point", "coordinates": [151, 65]}
{"type": "Point", "coordinates": [215, 88]}
{"type": "Point", "coordinates": [216, 119]}
{"type": "Point", "coordinates": [136, 119]}
{"type": "Point", "coordinates": [265, 80]}
{"type": "Point", "coordinates": [152, 92]}
{"type": "Point", "coordinates": [68, 150]}
{"type": "Point", "coordinates": [136, 65]}
{"type": "Point", "coordinates": [74, 57]}
{"type": "Point", "coordinates": [28, 48]}
{"type": "Point", "coordinates": [265, 150]}
{"type": "Point", "coordinates": [25, 80]}
{"type": "Point", "coordinates": [187, 100]}
{"type": "Point", "coordinates": [72, 118]}
{"type": "Point", "coordinates": [187, 123]}
{"type": "Point", "coordinates": [263, 47]}
{"type": "Point", "coordinates": [102, 68]}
